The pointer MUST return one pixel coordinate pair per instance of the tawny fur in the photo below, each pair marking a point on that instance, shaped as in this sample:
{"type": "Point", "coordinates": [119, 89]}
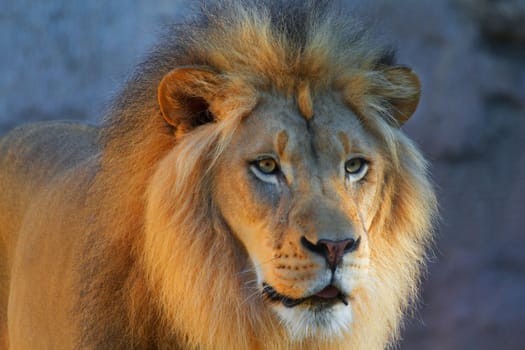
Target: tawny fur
{"type": "Point", "coordinates": [154, 265]}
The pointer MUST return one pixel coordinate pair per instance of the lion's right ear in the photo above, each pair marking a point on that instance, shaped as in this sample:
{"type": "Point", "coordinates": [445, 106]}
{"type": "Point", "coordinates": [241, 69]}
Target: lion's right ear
{"type": "Point", "coordinates": [185, 95]}
{"type": "Point", "coordinates": [403, 92]}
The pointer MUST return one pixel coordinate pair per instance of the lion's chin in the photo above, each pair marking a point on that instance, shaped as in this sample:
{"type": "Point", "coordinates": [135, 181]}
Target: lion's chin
{"type": "Point", "coordinates": [326, 314]}
{"type": "Point", "coordinates": [321, 322]}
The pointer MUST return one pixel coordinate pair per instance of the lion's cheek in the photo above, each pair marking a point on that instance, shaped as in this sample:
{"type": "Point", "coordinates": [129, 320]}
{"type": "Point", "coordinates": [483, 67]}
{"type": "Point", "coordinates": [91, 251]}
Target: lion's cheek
{"type": "Point", "coordinates": [243, 222]}
{"type": "Point", "coordinates": [247, 216]}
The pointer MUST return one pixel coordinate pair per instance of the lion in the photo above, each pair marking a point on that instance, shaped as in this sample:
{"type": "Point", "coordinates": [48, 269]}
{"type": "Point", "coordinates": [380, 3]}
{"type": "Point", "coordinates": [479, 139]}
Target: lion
{"type": "Point", "coordinates": [250, 188]}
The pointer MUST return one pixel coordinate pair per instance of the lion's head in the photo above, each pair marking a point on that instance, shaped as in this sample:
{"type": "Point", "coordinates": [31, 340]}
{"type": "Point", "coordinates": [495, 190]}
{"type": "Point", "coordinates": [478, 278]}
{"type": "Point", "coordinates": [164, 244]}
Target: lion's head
{"type": "Point", "coordinates": [284, 205]}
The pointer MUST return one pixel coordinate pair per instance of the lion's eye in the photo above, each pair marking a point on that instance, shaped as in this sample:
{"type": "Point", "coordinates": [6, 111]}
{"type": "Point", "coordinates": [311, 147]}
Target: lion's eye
{"type": "Point", "coordinates": [356, 167]}
{"type": "Point", "coordinates": [267, 166]}
{"type": "Point", "coordinates": [266, 169]}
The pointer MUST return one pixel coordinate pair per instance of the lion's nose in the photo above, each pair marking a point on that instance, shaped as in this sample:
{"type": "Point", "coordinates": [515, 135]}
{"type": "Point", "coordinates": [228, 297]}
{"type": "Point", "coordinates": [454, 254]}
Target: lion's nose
{"type": "Point", "coordinates": [332, 251]}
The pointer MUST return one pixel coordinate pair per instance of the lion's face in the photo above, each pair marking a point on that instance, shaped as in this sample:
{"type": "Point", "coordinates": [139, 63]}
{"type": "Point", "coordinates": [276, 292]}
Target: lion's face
{"type": "Point", "coordinates": [297, 184]}
{"type": "Point", "coordinates": [300, 195]}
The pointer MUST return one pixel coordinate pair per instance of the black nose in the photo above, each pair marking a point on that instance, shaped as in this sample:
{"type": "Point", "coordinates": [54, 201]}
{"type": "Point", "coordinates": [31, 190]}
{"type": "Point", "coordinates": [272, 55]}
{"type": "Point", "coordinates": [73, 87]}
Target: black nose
{"type": "Point", "coordinates": [332, 251]}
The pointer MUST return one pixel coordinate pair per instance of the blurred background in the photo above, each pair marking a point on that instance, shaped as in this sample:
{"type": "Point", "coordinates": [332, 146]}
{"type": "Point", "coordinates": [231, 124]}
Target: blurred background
{"type": "Point", "coordinates": [64, 59]}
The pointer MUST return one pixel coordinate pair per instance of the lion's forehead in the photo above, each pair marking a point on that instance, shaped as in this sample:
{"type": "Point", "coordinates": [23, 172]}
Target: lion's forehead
{"type": "Point", "coordinates": [331, 135]}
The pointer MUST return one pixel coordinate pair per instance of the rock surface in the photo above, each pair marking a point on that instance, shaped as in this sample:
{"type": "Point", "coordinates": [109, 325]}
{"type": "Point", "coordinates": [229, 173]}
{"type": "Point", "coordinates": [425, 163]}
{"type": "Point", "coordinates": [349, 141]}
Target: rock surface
{"type": "Point", "coordinates": [63, 60]}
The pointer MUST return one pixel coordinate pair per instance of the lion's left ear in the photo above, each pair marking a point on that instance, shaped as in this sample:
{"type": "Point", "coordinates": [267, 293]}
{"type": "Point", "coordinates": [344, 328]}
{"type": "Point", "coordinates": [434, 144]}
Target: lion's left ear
{"type": "Point", "coordinates": [185, 95]}
{"type": "Point", "coordinates": [402, 92]}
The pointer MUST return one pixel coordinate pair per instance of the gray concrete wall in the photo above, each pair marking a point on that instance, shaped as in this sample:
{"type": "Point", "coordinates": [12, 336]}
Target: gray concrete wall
{"type": "Point", "coordinates": [64, 59]}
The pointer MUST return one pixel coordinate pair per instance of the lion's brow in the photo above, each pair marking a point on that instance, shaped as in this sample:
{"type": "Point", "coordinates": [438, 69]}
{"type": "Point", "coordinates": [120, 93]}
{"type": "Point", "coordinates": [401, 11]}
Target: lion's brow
{"type": "Point", "coordinates": [343, 138]}
{"type": "Point", "coordinates": [282, 142]}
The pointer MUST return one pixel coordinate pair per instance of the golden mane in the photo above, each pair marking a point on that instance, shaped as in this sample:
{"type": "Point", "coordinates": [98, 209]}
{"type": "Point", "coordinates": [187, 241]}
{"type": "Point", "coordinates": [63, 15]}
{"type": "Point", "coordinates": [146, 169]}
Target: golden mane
{"type": "Point", "coordinates": [129, 271]}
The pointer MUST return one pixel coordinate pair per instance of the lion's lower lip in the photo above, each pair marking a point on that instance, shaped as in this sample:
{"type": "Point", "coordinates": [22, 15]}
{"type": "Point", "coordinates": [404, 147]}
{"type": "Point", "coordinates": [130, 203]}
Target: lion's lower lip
{"type": "Point", "coordinates": [328, 293]}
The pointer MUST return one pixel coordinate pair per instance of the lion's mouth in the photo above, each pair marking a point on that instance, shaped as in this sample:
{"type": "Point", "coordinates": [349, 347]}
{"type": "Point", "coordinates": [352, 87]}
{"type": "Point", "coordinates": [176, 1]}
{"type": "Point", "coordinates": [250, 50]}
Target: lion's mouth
{"type": "Point", "coordinates": [328, 296]}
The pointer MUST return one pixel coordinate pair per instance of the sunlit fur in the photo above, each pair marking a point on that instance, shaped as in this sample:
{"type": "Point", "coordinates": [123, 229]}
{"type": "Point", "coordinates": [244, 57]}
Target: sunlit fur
{"type": "Point", "coordinates": [158, 266]}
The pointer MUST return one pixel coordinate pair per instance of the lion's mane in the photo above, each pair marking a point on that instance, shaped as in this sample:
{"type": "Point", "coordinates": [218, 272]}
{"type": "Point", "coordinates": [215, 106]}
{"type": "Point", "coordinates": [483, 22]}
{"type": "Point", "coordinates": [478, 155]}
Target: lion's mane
{"type": "Point", "coordinates": [129, 271]}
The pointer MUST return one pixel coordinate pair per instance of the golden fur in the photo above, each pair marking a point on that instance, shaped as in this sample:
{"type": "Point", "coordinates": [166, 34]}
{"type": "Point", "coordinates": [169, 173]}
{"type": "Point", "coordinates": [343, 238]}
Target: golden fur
{"type": "Point", "coordinates": [146, 233]}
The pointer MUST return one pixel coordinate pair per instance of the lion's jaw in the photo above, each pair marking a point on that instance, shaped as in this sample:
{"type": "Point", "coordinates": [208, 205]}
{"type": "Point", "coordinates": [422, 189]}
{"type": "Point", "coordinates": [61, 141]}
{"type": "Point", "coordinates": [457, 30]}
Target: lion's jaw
{"type": "Point", "coordinates": [312, 201]}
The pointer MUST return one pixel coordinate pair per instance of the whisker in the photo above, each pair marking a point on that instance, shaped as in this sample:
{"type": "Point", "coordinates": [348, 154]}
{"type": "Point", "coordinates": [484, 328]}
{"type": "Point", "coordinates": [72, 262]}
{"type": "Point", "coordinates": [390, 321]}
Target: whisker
{"type": "Point", "coordinates": [251, 296]}
{"type": "Point", "coordinates": [251, 284]}
{"type": "Point", "coordinates": [252, 269]}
